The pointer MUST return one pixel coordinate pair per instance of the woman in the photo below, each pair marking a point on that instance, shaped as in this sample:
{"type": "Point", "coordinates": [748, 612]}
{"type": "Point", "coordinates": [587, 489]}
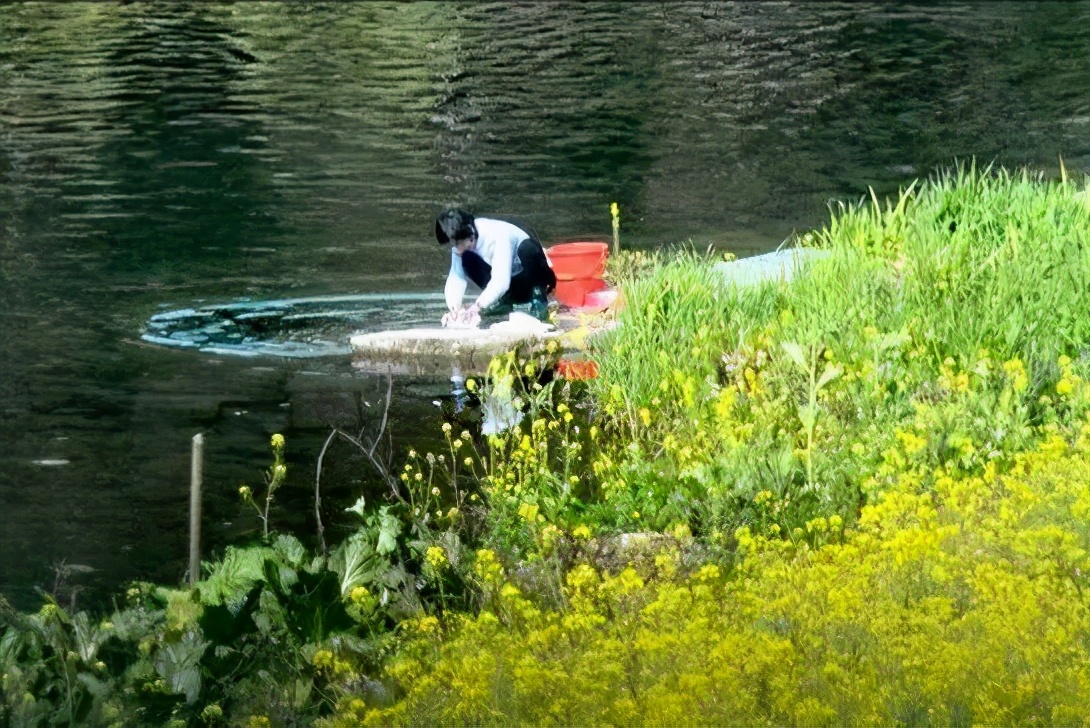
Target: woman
{"type": "Point", "coordinates": [505, 261]}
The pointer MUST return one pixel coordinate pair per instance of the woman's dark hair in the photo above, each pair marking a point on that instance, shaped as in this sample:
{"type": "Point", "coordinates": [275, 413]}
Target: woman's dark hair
{"type": "Point", "coordinates": [453, 225]}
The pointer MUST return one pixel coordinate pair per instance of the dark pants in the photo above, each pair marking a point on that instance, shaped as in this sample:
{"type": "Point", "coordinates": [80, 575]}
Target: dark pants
{"type": "Point", "coordinates": [535, 273]}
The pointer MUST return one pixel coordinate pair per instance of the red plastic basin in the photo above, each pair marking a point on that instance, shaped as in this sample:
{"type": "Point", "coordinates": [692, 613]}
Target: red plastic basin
{"type": "Point", "coordinates": [571, 261]}
{"type": "Point", "coordinates": [598, 301]}
{"type": "Point", "coordinates": [573, 293]}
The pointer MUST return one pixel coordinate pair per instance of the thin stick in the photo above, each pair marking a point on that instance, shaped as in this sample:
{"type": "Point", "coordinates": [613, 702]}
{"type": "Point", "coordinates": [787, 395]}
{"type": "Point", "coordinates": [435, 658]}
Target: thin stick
{"type": "Point", "coordinates": [385, 412]}
{"type": "Point", "coordinates": [318, 490]}
{"type": "Point", "coordinates": [195, 472]}
{"type": "Point", "coordinates": [390, 480]}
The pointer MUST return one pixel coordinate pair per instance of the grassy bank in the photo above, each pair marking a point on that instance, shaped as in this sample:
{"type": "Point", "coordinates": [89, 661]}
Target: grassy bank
{"type": "Point", "coordinates": [858, 498]}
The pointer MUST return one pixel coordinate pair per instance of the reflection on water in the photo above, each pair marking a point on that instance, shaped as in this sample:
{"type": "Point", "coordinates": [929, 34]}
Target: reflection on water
{"type": "Point", "coordinates": [167, 157]}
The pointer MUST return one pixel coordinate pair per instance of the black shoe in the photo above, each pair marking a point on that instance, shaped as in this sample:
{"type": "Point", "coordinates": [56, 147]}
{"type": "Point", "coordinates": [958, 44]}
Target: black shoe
{"type": "Point", "coordinates": [502, 307]}
{"type": "Point", "coordinates": [539, 304]}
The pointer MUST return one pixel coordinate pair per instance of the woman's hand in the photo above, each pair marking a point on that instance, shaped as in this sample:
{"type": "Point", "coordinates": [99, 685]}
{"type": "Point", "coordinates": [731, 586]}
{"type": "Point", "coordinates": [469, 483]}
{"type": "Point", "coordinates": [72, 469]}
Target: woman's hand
{"type": "Point", "coordinates": [463, 318]}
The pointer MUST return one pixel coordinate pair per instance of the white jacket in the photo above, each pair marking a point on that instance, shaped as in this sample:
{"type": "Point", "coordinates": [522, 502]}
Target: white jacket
{"type": "Point", "coordinates": [497, 243]}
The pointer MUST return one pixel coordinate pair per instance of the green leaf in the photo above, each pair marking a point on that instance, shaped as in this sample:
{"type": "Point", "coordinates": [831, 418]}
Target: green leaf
{"type": "Point", "coordinates": [223, 624]}
{"type": "Point", "coordinates": [179, 665]}
{"type": "Point", "coordinates": [98, 688]}
{"type": "Point", "coordinates": [389, 530]}
{"type": "Point", "coordinates": [88, 637]}
{"type": "Point", "coordinates": [808, 415]}
{"type": "Point", "coordinates": [356, 507]}
{"type": "Point", "coordinates": [783, 464]}
{"type": "Point", "coordinates": [356, 562]}
{"type": "Point", "coordinates": [893, 340]}
{"type": "Point", "coordinates": [280, 577]}
{"type": "Point", "coordinates": [232, 578]}
{"type": "Point", "coordinates": [290, 549]}
{"type": "Point", "coordinates": [795, 352]}
{"type": "Point", "coordinates": [831, 372]}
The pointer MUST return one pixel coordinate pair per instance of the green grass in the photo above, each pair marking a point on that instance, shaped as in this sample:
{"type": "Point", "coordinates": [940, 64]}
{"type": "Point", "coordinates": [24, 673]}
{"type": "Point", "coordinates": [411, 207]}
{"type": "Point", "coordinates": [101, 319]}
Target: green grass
{"type": "Point", "coordinates": [971, 259]}
{"type": "Point", "coordinates": [929, 305]}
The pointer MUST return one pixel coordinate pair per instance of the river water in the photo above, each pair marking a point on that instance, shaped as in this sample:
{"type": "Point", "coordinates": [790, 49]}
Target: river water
{"type": "Point", "coordinates": [165, 156]}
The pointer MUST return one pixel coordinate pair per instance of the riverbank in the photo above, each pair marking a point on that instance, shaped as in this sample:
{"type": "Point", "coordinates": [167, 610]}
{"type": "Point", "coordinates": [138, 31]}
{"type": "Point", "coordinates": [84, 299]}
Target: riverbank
{"type": "Point", "coordinates": [860, 498]}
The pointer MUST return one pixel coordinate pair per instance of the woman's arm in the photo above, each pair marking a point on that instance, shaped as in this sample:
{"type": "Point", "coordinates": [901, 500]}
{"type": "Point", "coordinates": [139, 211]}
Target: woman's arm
{"type": "Point", "coordinates": [502, 260]}
{"type": "Point", "coordinates": [456, 283]}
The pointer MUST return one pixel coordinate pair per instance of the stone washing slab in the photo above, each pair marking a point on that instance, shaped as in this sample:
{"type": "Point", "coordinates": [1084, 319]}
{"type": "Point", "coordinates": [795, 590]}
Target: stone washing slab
{"type": "Point", "coordinates": [420, 349]}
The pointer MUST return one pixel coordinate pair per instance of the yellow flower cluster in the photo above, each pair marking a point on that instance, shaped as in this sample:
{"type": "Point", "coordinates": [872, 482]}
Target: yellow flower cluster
{"type": "Point", "coordinates": [436, 557]}
{"type": "Point", "coordinates": [959, 598]}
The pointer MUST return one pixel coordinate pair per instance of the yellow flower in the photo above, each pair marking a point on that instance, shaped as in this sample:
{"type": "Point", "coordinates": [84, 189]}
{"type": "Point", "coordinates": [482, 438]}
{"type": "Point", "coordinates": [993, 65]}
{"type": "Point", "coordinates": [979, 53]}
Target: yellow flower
{"type": "Point", "coordinates": [645, 416]}
{"type": "Point", "coordinates": [488, 567]}
{"type": "Point", "coordinates": [911, 442]}
{"type": "Point", "coordinates": [427, 624]}
{"type": "Point", "coordinates": [549, 536]}
{"type": "Point", "coordinates": [1016, 370]}
{"type": "Point", "coordinates": [436, 557]}
{"type": "Point", "coordinates": [244, 492]}
{"type": "Point", "coordinates": [528, 511]}
{"type": "Point", "coordinates": [277, 441]}
{"type": "Point", "coordinates": [581, 531]}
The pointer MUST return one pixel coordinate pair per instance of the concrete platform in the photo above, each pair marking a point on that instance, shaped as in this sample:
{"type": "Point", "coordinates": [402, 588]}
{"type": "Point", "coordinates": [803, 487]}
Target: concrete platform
{"type": "Point", "coordinates": [419, 350]}
{"type": "Point", "coordinates": [425, 350]}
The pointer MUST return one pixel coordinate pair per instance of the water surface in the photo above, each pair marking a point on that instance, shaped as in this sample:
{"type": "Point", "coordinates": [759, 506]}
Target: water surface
{"type": "Point", "coordinates": [157, 157]}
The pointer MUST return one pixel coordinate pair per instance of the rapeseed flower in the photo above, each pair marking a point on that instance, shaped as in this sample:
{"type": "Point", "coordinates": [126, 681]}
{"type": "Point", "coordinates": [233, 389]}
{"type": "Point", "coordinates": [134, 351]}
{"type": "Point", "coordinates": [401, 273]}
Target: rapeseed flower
{"type": "Point", "coordinates": [436, 557]}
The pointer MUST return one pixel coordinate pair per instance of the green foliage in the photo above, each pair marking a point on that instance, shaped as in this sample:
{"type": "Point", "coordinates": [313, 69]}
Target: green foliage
{"type": "Point", "coordinates": [870, 483]}
{"type": "Point", "coordinates": [915, 324]}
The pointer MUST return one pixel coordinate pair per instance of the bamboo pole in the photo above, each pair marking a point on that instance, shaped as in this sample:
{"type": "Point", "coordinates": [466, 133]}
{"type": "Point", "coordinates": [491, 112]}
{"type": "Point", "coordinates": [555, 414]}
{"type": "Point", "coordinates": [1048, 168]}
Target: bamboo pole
{"type": "Point", "coordinates": [196, 469]}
